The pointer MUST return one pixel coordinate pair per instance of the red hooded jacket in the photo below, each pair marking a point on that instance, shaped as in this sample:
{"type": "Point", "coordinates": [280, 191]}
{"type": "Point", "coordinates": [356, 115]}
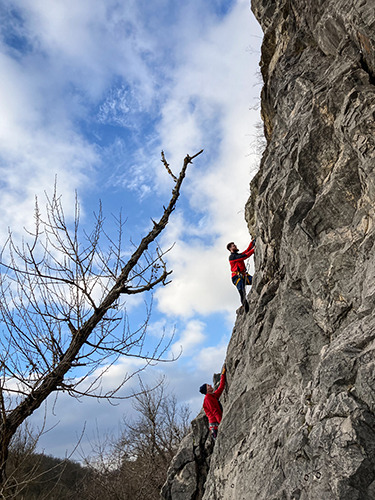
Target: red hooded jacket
{"type": "Point", "coordinates": [211, 403]}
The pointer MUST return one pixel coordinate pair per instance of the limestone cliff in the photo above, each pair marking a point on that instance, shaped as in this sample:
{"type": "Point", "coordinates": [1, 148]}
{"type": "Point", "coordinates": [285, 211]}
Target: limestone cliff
{"type": "Point", "coordinates": [299, 411]}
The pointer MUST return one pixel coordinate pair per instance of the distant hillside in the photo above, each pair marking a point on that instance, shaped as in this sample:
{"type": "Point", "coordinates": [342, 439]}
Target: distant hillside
{"type": "Point", "coordinates": [34, 476]}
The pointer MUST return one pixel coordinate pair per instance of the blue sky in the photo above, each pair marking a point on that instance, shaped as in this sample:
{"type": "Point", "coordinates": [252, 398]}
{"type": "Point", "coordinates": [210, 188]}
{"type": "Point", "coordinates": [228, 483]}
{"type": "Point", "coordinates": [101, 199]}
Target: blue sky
{"type": "Point", "coordinates": [91, 92]}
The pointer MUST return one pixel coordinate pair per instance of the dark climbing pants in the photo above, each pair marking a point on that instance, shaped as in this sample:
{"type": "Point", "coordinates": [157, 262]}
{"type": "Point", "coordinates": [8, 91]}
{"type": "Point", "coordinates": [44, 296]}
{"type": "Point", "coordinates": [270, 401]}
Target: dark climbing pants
{"type": "Point", "coordinates": [214, 428]}
{"type": "Point", "coordinates": [240, 281]}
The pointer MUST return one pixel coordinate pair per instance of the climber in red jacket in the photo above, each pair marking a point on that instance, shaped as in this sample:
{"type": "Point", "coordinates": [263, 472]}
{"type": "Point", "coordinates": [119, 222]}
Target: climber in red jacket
{"type": "Point", "coordinates": [212, 405]}
{"type": "Point", "coordinates": [240, 277]}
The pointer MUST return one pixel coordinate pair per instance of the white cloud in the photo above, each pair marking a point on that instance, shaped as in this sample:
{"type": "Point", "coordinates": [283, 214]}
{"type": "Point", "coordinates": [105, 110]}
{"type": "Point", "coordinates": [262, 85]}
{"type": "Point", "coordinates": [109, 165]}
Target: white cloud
{"type": "Point", "coordinates": [212, 358]}
{"type": "Point", "coordinates": [190, 339]}
{"type": "Point", "coordinates": [161, 328]}
{"type": "Point", "coordinates": [87, 42]}
{"type": "Point", "coordinates": [116, 107]}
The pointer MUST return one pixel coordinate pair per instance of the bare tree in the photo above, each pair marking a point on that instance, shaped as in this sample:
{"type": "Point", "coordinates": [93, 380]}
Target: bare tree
{"type": "Point", "coordinates": [136, 466]}
{"type": "Point", "coordinates": [160, 426]}
{"type": "Point", "coordinates": [62, 310]}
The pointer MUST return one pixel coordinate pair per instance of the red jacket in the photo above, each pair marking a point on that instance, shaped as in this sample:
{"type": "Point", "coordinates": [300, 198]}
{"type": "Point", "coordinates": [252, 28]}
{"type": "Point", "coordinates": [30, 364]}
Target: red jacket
{"type": "Point", "coordinates": [236, 260]}
{"type": "Point", "coordinates": [211, 403]}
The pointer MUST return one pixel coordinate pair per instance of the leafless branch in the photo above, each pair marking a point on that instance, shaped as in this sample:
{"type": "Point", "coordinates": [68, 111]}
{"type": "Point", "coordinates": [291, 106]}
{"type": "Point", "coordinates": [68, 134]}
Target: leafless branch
{"type": "Point", "coordinates": [166, 164]}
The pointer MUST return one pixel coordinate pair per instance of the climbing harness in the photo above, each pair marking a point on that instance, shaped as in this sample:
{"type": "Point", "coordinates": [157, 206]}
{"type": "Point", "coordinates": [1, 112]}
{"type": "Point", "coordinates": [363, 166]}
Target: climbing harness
{"type": "Point", "coordinates": [247, 277]}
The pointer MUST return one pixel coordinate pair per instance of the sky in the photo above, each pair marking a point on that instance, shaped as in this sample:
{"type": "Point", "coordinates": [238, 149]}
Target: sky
{"type": "Point", "coordinates": [91, 91]}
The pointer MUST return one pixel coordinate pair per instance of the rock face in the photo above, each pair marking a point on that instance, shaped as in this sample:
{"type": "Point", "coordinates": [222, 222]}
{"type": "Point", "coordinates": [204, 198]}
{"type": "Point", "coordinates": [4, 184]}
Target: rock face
{"type": "Point", "coordinates": [299, 412]}
{"type": "Point", "coordinates": [188, 471]}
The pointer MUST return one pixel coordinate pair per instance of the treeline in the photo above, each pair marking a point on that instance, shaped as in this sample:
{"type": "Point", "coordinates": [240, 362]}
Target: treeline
{"type": "Point", "coordinates": [35, 476]}
{"type": "Point", "coordinates": [132, 467]}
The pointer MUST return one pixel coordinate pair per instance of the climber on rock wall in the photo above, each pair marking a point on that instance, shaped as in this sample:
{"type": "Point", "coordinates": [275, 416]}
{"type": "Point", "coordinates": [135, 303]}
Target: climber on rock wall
{"type": "Point", "coordinates": [240, 277]}
{"type": "Point", "coordinates": [212, 405]}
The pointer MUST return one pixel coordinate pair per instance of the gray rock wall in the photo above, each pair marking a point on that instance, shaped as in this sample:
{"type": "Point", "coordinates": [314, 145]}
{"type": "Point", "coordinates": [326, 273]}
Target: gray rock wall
{"type": "Point", "coordinates": [187, 473]}
{"type": "Point", "coordinates": [299, 413]}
